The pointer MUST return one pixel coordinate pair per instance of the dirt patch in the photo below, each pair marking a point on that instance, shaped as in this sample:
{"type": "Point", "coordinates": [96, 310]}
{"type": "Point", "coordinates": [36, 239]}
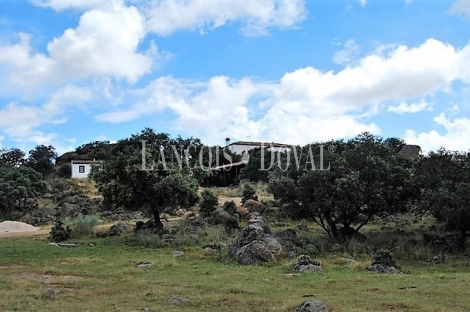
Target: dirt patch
{"type": "Point", "coordinates": [223, 199]}
{"type": "Point", "coordinates": [56, 282]}
{"type": "Point", "coordinates": [21, 234]}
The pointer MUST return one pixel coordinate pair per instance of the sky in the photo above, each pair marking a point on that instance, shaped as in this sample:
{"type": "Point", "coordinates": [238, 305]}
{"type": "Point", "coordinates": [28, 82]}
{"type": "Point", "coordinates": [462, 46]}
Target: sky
{"type": "Point", "coordinates": [286, 71]}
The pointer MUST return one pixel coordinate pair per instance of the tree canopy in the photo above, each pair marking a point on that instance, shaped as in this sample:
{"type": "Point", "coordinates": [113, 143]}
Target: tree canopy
{"type": "Point", "coordinates": [154, 184]}
{"type": "Point", "coordinates": [444, 177]}
{"type": "Point", "coordinates": [16, 186]}
{"type": "Point", "coordinates": [11, 157]}
{"type": "Point", "coordinates": [42, 159]}
{"type": "Point", "coordinates": [360, 178]}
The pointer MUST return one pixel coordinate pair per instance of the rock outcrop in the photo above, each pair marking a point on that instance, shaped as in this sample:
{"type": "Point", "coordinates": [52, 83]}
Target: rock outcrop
{"type": "Point", "coordinates": [255, 245]}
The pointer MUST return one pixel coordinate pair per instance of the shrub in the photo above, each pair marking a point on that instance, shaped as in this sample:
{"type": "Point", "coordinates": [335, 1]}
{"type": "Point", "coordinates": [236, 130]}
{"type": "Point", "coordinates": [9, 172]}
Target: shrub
{"type": "Point", "coordinates": [59, 232]}
{"type": "Point", "coordinates": [230, 207]}
{"type": "Point", "coordinates": [231, 225]}
{"type": "Point", "coordinates": [385, 257]}
{"type": "Point", "coordinates": [148, 238]}
{"type": "Point", "coordinates": [249, 192]}
{"type": "Point", "coordinates": [208, 204]}
{"type": "Point", "coordinates": [64, 171]}
{"type": "Point", "coordinates": [83, 226]}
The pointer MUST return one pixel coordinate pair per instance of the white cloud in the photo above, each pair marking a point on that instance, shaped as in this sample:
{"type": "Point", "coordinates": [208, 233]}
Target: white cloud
{"type": "Point", "coordinates": [104, 44]}
{"type": "Point", "coordinates": [363, 2]}
{"type": "Point", "coordinates": [307, 104]}
{"type": "Point", "coordinates": [456, 136]}
{"type": "Point", "coordinates": [460, 7]}
{"type": "Point", "coordinates": [21, 122]}
{"type": "Point", "coordinates": [412, 108]}
{"type": "Point", "coordinates": [60, 5]}
{"type": "Point", "coordinates": [348, 54]}
{"type": "Point", "coordinates": [168, 16]}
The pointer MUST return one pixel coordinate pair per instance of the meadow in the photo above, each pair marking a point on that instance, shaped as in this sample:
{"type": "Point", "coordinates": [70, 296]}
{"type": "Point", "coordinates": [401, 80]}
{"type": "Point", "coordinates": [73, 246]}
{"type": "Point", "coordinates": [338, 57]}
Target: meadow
{"type": "Point", "coordinates": [102, 275]}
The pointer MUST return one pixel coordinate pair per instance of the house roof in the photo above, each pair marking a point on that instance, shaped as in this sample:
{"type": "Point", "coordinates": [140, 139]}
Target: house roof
{"type": "Point", "coordinates": [85, 162]}
{"type": "Point", "coordinates": [235, 164]}
{"type": "Point", "coordinates": [258, 144]}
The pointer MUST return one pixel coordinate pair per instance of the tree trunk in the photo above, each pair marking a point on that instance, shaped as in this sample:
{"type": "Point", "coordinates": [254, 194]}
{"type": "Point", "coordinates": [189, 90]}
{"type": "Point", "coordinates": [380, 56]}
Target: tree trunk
{"type": "Point", "coordinates": [156, 216]}
{"type": "Point", "coordinates": [463, 239]}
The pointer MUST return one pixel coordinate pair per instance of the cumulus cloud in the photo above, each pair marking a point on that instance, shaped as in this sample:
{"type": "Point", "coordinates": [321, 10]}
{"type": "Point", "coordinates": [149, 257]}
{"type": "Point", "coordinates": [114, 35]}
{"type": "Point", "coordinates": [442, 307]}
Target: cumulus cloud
{"type": "Point", "coordinates": [168, 16]}
{"type": "Point", "coordinates": [21, 122]}
{"type": "Point", "coordinates": [412, 108]}
{"type": "Point", "coordinates": [104, 44]}
{"type": "Point", "coordinates": [455, 137]}
{"type": "Point", "coordinates": [307, 104]}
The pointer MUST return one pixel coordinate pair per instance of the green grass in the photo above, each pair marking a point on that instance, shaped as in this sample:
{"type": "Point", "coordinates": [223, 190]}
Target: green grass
{"type": "Point", "coordinates": [104, 277]}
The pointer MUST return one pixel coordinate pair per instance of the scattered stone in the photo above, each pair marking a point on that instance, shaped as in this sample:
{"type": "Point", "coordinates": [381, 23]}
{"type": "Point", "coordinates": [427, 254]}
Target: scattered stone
{"type": "Point", "coordinates": [288, 236]}
{"type": "Point", "coordinates": [254, 206]}
{"type": "Point", "coordinates": [196, 221]}
{"type": "Point", "coordinates": [255, 245]}
{"type": "Point", "coordinates": [47, 195]}
{"type": "Point", "coordinates": [177, 253]}
{"type": "Point", "coordinates": [439, 259]}
{"type": "Point", "coordinates": [48, 293]}
{"type": "Point", "coordinates": [381, 268]}
{"type": "Point", "coordinates": [306, 264]}
{"type": "Point", "coordinates": [117, 229]}
{"type": "Point", "coordinates": [219, 217]}
{"type": "Point", "coordinates": [145, 264]}
{"type": "Point", "coordinates": [273, 245]}
{"type": "Point", "coordinates": [348, 260]}
{"type": "Point", "coordinates": [313, 305]}
{"type": "Point", "coordinates": [257, 219]}
{"type": "Point", "coordinates": [210, 250]}
{"type": "Point", "coordinates": [178, 300]}
{"type": "Point", "coordinates": [242, 211]}
{"type": "Point", "coordinates": [302, 227]}
{"type": "Point", "coordinates": [71, 199]}
{"type": "Point", "coordinates": [138, 215]}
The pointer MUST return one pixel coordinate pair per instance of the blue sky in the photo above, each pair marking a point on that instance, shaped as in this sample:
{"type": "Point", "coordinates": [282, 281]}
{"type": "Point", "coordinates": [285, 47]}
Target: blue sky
{"type": "Point", "coordinates": [289, 71]}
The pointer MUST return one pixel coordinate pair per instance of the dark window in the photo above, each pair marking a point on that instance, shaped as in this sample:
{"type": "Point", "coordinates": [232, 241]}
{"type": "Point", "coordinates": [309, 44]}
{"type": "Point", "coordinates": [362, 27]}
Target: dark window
{"type": "Point", "coordinates": [81, 169]}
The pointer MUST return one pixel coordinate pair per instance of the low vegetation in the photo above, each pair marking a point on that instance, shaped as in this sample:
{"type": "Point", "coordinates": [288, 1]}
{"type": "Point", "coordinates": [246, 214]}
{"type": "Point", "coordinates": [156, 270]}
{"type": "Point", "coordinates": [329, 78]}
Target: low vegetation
{"type": "Point", "coordinates": [326, 230]}
{"type": "Point", "coordinates": [103, 274]}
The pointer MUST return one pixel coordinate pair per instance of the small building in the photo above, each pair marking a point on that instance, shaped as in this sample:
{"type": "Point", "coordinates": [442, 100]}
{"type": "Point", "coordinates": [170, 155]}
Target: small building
{"type": "Point", "coordinates": [244, 146]}
{"type": "Point", "coordinates": [82, 168]}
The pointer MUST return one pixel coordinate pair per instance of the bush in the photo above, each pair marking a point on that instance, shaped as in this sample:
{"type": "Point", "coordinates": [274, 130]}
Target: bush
{"type": "Point", "coordinates": [231, 225]}
{"type": "Point", "coordinates": [148, 238]}
{"type": "Point", "coordinates": [230, 207]}
{"type": "Point", "coordinates": [385, 257]}
{"type": "Point", "coordinates": [64, 171]}
{"type": "Point", "coordinates": [59, 232]}
{"type": "Point", "coordinates": [249, 192]}
{"type": "Point", "coordinates": [83, 226]}
{"type": "Point", "coordinates": [208, 204]}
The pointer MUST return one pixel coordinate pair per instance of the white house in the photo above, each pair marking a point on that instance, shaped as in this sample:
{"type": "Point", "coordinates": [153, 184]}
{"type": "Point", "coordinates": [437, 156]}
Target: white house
{"type": "Point", "coordinates": [242, 146]}
{"type": "Point", "coordinates": [82, 168]}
